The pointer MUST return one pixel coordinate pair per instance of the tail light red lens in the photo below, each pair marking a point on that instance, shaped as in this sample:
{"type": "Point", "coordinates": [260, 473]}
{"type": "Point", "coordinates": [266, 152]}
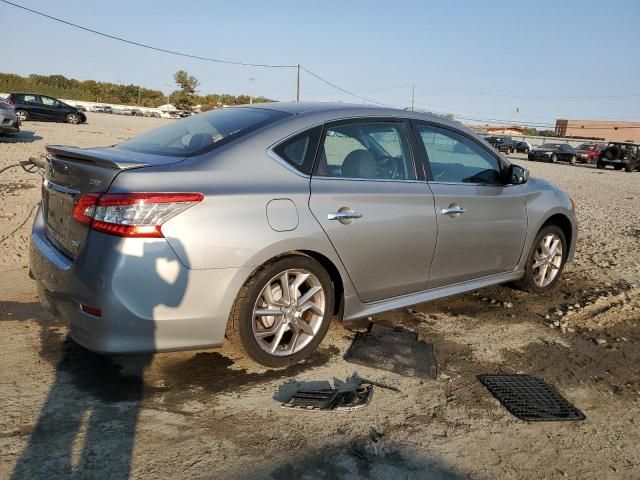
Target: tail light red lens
{"type": "Point", "coordinates": [132, 214]}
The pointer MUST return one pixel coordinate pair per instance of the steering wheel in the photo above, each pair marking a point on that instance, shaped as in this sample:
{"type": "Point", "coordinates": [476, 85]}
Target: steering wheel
{"type": "Point", "coordinates": [387, 167]}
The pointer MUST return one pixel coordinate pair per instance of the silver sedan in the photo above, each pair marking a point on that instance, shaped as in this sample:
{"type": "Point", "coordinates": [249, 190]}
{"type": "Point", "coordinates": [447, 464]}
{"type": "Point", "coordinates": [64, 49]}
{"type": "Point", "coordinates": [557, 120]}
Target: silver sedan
{"type": "Point", "coordinates": [260, 224]}
{"type": "Point", "coordinates": [9, 121]}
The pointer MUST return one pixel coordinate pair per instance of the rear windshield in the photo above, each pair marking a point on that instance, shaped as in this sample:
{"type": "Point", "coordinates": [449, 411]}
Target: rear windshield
{"type": "Point", "coordinates": [200, 133]}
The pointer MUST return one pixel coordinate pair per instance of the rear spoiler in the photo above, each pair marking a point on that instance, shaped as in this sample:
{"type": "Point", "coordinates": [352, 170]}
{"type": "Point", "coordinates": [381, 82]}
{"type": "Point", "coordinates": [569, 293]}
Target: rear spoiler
{"type": "Point", "coordinates": [105, 157]}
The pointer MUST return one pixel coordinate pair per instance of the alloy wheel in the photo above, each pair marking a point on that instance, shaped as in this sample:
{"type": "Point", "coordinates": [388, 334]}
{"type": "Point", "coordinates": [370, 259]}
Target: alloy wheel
{"type": "Point", "coordinates": [73, 119]}
{"type": "Point", "coordinates": [547, 260]}
{"type": "Point", "coordinates": [289, 312]}
{"type": "Point", "coordinates": [22, 115]}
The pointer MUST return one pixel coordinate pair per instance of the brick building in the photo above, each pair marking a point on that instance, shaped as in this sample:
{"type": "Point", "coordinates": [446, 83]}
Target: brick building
{"type": "Point", "coordinates": [616, 131]}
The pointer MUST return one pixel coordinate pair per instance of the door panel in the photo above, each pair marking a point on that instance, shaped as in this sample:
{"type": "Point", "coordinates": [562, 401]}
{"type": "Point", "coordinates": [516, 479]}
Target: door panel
{"type": "Point", "coordinates": [482, 222]}
{"type": "Point", "coordinates": [365, 170]}
{"type": "Point", "coordinates": [387, 251]}
{"type": "Point", "coordinates": [486, 239]}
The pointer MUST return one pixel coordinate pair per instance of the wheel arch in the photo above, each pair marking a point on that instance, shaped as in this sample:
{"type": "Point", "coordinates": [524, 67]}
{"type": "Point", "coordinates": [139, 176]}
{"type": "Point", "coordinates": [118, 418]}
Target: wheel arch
{"type": "Point", "coordinates": [326, 263]}
{"type": "Point", "coordinates": [564, 223]}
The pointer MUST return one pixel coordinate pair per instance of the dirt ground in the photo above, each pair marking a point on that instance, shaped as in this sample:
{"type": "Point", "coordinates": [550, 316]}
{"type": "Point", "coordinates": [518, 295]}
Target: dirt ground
{"type": "Point", "coordinates": [210, 414]}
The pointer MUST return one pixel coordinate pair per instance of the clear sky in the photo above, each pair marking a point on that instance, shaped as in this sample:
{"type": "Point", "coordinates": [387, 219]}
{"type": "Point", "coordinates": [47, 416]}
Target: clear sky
{"type": "Point", "coordinates": [481, 59]}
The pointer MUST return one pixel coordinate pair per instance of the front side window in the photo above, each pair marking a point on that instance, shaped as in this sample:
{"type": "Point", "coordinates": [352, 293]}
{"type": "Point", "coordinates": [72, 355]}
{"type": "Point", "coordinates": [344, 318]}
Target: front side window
{"type": "Point", "coordinates": [367, 150]}
{"type": "Point", "coordinates": [454, 158]}
{"type": "Point", "coordinates": [200, 133]}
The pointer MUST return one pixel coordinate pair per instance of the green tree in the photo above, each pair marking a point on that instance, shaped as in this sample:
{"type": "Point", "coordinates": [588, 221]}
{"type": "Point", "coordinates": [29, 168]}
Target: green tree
{"type": "Point", "coordinates": [184, 98]}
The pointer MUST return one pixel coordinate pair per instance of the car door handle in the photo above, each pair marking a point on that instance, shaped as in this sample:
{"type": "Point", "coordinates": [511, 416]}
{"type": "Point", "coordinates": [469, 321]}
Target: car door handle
{"type": "Point", "coordinates": [452, 210]}
{"type": "Point", "coordinates": [343, 215]}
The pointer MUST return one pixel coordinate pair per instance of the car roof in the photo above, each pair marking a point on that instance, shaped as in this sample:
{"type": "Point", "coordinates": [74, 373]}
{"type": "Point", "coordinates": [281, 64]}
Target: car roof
{"type": "Point", "coordinates": [348, 109]}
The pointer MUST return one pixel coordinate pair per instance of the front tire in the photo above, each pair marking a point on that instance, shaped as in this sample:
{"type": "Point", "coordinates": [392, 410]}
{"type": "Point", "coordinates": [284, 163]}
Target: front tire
{"type": "Point", "coordinates": [283, 312]}
{"type": "Point", "coordinates": [545, 261]}
{"type": "Point", "coordinates": [572, 160]}
{"type": "Point", "coordinates": [73, 119]}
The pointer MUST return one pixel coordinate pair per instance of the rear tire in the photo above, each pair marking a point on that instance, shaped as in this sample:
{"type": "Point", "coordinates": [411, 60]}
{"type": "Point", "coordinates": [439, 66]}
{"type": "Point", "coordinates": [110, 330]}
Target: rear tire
{"type": "Point", "coordinates": [553, 158]}
{"type": "Point", "coordinates": [630, 167]}
{"type": "Point", "coordinates": [599, 165]}
{"type": "Point", "coordinates": [530, 280]}
{"type": "Point", "coordinates": [22, 115]}
{"type": "Point", "coordinates": [572, 160]}
{"type": "Point", "coordinates": [293, 332]}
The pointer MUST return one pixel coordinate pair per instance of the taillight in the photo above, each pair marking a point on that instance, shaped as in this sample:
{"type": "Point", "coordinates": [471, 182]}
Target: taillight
{"type": "Point", "coordinates": [132, 214]}
{"type": "Point", "coordinates": [10, 100]}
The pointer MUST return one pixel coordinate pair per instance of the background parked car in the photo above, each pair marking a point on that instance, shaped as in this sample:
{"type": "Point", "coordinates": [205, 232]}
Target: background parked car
{"type": "Point", "coordinates": [9, 121]}
{"type": "Point", "coordinates": [32, 106]}
{"type": "Point", "coordinates": [620, 155]}
{"type": "Point", "coordinates": [523, 146]}
{"type": "Point", "coordinates": [552, 152]}
{"type": "Point", "coordinates": [502, 144]}
{"type": "Point", "coordinates": [589, 152]}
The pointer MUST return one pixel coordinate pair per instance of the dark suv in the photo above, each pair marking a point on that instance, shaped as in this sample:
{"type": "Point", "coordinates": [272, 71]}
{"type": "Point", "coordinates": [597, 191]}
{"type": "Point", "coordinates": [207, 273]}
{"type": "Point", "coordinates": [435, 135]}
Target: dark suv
{"type": "Point", "coordinates": [33, 106]}
{"type": "Point", "coordinates": [502, 144]}
{"type": "Point", "coordinates": [620, 155]}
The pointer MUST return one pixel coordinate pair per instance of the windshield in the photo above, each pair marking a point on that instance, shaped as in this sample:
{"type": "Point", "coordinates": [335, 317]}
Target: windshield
{"type": "Point", "coordinates": [586, 146]}
{"type": "Point", "coordinates": [199, 133]}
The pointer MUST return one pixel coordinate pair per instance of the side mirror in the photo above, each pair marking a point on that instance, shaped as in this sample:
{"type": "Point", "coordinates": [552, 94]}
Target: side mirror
{"type": "Point", "coordinates": [517, 175]}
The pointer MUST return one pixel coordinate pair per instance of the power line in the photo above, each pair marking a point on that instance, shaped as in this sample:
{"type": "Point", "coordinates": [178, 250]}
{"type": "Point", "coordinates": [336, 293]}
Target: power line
{"type": "Point", "coordinates": [355, 95]}
{"type": "Point", "coordinates": [143, 45]}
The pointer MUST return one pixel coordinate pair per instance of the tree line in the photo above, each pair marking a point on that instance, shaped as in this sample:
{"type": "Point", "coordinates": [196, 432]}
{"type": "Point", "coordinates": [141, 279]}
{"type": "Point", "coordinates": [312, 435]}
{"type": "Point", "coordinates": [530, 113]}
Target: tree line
{"type": "Point", "coordinates": [59, 86]}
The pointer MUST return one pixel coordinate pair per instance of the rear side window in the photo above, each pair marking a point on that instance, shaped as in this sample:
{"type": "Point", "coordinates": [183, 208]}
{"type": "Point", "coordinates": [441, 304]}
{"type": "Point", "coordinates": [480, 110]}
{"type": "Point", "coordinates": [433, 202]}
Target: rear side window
{"type": "Point", "coordinates": [299, 151]}
{"type": "Point", "coordinates": [376, 150]}
{"type": "Point", "coordinates": [203, 132]}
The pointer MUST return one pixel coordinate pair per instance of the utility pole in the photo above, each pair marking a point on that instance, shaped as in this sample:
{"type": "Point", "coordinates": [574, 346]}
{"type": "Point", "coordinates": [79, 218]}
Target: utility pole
{"type": "Point", "coordinates": [413, 95]}
{"type": "Point", "coordinates": [251, 80]}
{"type": "Point", "coordinates": [298, 85]}
{"type": "Point", "coordinates": [138, 96]}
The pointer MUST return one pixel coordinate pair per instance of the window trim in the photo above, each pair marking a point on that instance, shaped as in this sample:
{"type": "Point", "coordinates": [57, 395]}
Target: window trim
{"type": "Point", "coordinates": [425, 156]}
{"type": "Point", "coordinates": [345, 121]}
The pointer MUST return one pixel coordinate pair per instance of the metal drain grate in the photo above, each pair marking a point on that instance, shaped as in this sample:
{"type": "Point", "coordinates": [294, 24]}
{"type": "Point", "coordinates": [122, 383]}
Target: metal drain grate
{"type": "Point", "coordinates": [530, 398]}
{"type": "Point", "coordinates": [393, 349]}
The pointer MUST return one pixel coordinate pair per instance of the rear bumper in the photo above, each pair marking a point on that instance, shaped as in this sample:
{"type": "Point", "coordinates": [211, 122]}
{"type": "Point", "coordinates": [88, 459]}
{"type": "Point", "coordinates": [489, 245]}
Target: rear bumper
{"type": "Point", "coordinates": [149, 301]}
{"type": "Point", "coordinates": [8, 125]}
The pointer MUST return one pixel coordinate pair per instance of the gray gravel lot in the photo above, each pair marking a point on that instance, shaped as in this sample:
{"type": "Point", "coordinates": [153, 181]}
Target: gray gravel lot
{"type": "Point", "coordinates": [211, 414]}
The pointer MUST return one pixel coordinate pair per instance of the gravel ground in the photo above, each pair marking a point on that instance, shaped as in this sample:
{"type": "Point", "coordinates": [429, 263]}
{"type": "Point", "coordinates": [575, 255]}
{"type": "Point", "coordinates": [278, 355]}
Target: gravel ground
{"type": "Point", "coordinates": [210, 414]}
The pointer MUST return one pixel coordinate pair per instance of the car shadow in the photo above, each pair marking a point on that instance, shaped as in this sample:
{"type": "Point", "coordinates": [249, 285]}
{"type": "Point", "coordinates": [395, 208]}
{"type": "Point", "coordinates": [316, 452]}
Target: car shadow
{"type": "Point", "coordinates": [362, 458]}
{"type": "Point", "coordinates": [87, 424]}
{"type": "Point", "coordinates": [19, 137]}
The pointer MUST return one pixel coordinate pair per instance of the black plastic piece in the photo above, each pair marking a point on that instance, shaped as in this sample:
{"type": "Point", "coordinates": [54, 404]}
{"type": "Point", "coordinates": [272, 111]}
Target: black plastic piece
{"type": "Point", "coordinates": [393, 349]}
{"type": "Point", "coordinates": [313, 399]}
{"type": "Point", "coordinates": [331, 399]}
{"type": "Point", "coordinates": [530, 398]}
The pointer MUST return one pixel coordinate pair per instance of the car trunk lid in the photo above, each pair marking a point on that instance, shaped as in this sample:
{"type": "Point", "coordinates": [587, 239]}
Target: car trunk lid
{"type": "Point", "coordinates": [73, 172]}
